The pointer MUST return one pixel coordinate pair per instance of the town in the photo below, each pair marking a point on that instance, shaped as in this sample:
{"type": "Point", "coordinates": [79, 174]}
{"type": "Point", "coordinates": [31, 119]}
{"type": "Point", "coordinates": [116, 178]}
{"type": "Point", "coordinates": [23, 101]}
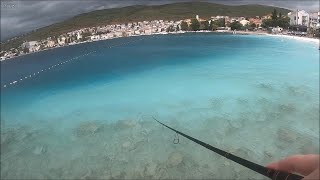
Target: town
{"type": "Point", "coordinates": [294, 23]}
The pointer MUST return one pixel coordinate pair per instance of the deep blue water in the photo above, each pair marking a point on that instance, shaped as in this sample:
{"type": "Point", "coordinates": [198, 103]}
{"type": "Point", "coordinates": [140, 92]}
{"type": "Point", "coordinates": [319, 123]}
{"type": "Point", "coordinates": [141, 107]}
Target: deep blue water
{"type": "Point", "coordinates": [260, 93]}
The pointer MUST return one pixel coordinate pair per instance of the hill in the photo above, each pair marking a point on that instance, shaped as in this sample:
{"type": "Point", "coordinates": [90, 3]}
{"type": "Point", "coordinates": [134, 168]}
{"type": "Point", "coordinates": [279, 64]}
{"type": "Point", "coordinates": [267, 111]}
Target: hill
{"type": "Point", "coordinates": [175, 11]}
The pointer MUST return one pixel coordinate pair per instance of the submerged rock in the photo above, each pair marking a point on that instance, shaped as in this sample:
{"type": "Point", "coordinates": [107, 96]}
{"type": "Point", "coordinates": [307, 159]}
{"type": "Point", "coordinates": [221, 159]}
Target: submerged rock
{"type": "Point", "coordinates": [87, 128]}
{"type": "Point", "coordinates": [265, 86]}
{"type": "Point", "coordinates": [128, 124]}
{"type": "Point", "coordinates": [287, 135]}
{"type": "Point", "coordinates": [175, 159]}
{"type": "Point", "coordinates": [39, 150]}
{"type": "Point", "coordinates": [150, 170]}
{"type": "Point", "coordinates": [126, 145]}
{"type": "Point", "coordinates": [132, 144]}
{"type": "Point", "coordinates": [118, 174]}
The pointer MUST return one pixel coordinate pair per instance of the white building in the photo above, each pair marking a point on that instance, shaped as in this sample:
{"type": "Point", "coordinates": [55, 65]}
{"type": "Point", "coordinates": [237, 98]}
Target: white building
{"type": "Point", "coordinates": [315, 20]}
{"type": "Point", "coordinates": [32, 46]}
{"type": "Point", "coordinates": [277, 30]}
{"type": "Point", "coordinates": [61, 41]}
{"type": "Point", "coordinates": [299, 17]}
{"type": "Point", "coordinates": [244, 22]}
{"type": "Point", "coordinates": [50, 44]}
{"type": "Point", "coordinates": [79, 36]}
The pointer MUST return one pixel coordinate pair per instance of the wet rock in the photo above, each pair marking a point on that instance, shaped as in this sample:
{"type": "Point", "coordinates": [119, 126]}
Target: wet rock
{"type": "Point", "coordinates": [286, 108]}
{"type": "Point", "coordinates": [175, 159]}
{"type": "Point", "coordinates": [118, 174]}
{"type": "Point", "coordinates": [287, 135]}
{"type": "Point", "coordinates": [265, 86]}
{"type": "Point", "coordinates": [132, 144]}
{"type": "Point", "coordinates": [128, 123]}
{"type": "Point", "coordinates": [150, 170]}
{"type": "Point", "coordinates": [87, 128]}
{"type": "Point", "coordinates": [39, 150]}
{"type": "Point", "coordinates": [295, 90]}
{"type": "Point", "coordinates": [235, 123]}
{"type": "Point", "coordinates": [127, 145]}
{"type": "Point", "coordinates": [161, 173]}
{"type": "Point", "coordinates": [216, 103]}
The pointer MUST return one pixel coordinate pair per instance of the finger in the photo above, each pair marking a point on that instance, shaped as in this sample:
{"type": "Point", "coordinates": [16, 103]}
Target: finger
{"type": "Point", "coordinates": [313, 176]}
{"type": "Point", "coordinates": [303, 164]}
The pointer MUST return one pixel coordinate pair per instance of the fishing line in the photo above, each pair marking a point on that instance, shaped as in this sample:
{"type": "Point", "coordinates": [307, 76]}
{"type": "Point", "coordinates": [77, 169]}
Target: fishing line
{"type": "Point", "coordinates": [271, 173]}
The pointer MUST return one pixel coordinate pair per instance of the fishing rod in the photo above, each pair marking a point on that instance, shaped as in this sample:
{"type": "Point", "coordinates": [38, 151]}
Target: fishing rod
{"type": "Point", "coordinates": [271, 173]}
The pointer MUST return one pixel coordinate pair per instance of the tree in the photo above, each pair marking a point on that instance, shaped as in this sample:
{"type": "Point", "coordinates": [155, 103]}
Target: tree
{"type": "Point", "coordinates": [26, 50]}
{"type": "Point", "coordinates": [195, 25]}
{"type": "Point", "coordinates": [184, 26]}
{"type": "Point", "coordinates": [253, 25]}
{"type": "Point", "coordinates": [267, 23]}
{"type": "Point", "coordinates": [220, 22]}
{"type": "Point", "coordinates": [177, 28]}
{"type": "Point", "coordinates": [236, 25]}
{"type": "Point", "coordinates": [283, 22]}
{"type": "Point", "coordinates": [204, 25]}
{"type": "Point", "coordinates": [170, 28]}
{"type": "Point", "coordinates": [213, 27]}
{"type": "Point", "coordinates": [274, 15]}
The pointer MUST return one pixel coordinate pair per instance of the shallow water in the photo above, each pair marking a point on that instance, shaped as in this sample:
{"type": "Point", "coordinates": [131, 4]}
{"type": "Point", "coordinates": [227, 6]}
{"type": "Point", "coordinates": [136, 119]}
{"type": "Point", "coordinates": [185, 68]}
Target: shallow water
{"type": "Point", "coordinates": [254, 96]}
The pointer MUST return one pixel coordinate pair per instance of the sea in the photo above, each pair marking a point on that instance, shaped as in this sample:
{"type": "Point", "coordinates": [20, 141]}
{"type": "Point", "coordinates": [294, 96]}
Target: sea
{"type": "Point", "coordinates": [87, 111]}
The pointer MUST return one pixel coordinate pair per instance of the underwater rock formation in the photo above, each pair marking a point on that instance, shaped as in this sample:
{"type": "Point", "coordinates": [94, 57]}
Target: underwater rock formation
{"type": "Point", "coordinates": [87, 128]}
{"type": "Point", "coordinates": [40, 149]}
{"type": "Point", "coordinates": [175, 159]}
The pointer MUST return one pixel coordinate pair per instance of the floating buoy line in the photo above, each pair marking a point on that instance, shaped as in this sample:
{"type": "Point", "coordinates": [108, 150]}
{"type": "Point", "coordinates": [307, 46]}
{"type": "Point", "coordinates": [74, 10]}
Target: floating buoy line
{"type": "Point", "coordinates": [19, 80]}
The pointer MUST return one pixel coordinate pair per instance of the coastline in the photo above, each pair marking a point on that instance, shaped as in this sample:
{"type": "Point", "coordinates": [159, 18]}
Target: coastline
{"type": "Point", "coordinates": [11, 58]}
{"type": "Point", "coordinates": [305, 39]}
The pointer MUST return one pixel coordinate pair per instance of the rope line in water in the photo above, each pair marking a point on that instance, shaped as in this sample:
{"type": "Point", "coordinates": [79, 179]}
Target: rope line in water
{"type": "Point", "coordinates": [14, 82]}
{"type": "Point", "coordinates": [270, 173]}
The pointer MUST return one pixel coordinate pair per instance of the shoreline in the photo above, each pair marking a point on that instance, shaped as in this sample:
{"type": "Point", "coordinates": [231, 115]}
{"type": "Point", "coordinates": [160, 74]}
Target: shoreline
{"type": "Point", "coordinates": [305, 39]}
{"type": "Point", "coordinates": [300, 38]}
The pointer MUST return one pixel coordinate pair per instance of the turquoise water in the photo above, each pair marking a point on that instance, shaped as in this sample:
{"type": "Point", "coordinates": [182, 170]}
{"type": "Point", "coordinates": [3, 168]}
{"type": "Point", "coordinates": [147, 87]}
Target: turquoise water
{"type": "Point", "coordinates": [254, 96]}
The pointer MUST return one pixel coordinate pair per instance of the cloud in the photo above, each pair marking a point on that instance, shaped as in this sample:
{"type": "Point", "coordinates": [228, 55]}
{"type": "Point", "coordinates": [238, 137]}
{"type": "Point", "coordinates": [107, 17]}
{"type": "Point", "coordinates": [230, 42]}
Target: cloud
{"type": "Point", "coordinates": [19, 17]}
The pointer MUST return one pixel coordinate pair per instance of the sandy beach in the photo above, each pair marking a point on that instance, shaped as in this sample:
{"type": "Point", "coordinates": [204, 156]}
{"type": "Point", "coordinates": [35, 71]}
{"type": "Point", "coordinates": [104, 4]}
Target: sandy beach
{"type": "Point", "coordinates": [306, 39]}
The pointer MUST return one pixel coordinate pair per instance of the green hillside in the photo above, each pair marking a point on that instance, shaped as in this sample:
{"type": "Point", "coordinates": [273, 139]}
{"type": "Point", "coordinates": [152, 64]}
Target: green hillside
{"type": "Point", "coordinates": [174, 11]}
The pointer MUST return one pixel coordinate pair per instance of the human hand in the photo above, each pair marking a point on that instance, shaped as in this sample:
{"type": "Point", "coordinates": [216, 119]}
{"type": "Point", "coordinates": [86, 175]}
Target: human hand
{"type": "Point", "coordinates": [306, 165]}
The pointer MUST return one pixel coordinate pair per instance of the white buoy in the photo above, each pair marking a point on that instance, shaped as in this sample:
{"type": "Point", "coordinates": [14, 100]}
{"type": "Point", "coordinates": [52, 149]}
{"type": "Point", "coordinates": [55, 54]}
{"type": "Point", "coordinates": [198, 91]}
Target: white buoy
{"type": "Point", "coordinates": [4, 86]}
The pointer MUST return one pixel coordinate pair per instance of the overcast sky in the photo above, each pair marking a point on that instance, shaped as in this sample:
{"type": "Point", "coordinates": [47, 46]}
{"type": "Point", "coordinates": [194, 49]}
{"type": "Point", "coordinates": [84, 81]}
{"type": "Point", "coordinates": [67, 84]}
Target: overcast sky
{"type": "Point", "coordinates": [19, 17]}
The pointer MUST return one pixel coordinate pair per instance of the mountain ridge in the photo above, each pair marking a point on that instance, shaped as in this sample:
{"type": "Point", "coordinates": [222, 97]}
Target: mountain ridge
{"type": "Point", "coordinates": [173, 11]}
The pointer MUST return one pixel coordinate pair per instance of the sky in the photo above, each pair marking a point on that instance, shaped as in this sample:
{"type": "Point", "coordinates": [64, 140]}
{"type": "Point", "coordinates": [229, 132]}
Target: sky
{"type": "Point", "coordinates": [18, 17]}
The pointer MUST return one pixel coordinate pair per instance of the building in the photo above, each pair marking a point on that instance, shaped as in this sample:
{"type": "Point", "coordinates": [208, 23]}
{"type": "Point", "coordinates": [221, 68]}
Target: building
{"type": "Point", "coordinates": [276, 30]}
{"type": "Point", "coordinates": [244, 22]}
{"type": "Point", "coordinates": [256, 21]}
{"type": "Point", "coordinates": [79, 36]}
{"type": "Point", "coordinates": [50, 44]}
{"type": "Point", "coordinates": [315, 20]}
{"type": "Point", "coordinates": [61, 40]}
{"type": "Point", "coordinates": [32, 46]}
{"type": "Point", "coordinates": [299, 17]}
